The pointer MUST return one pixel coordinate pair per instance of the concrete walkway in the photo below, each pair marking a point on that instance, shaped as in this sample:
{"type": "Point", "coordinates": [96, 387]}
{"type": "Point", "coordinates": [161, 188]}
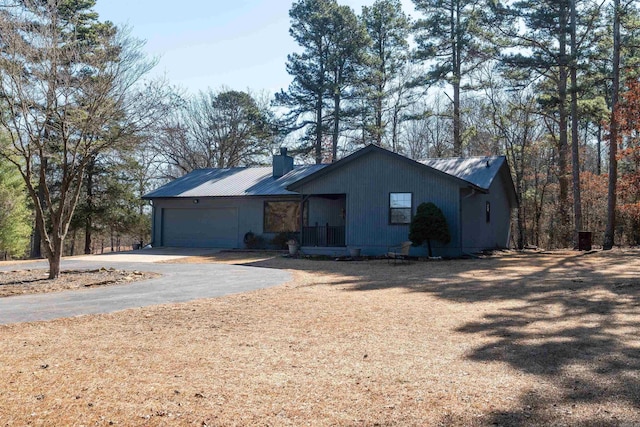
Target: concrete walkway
{"type": "Point", "coordinates": [179, 283]}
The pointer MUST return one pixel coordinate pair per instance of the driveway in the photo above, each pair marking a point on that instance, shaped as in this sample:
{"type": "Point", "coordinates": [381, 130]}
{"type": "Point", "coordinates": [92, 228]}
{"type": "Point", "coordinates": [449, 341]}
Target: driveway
{"type": "Point", "coordinates": [178, 283]}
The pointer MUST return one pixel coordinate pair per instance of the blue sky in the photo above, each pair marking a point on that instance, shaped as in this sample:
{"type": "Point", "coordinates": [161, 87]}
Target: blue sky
{"type": "Point", "coordinates": [240, 44]}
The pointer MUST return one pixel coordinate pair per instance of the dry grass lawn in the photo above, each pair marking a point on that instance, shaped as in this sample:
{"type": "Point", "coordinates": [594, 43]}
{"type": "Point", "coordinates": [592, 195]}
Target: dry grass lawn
{"type": "Point", "coordinates": [518, 339]}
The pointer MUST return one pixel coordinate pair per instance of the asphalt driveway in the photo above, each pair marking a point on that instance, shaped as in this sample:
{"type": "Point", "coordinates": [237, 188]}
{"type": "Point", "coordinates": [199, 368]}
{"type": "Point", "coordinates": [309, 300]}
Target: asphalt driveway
{"type": "Point", "coordinates": [178, 283]}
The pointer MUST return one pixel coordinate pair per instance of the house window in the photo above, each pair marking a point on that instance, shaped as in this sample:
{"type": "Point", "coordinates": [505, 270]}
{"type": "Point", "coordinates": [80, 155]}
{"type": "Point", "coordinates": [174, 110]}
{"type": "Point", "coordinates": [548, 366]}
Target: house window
{"type": "Point", "coordinates": [400, 208]}
{"type": "Point", "coordinates": [282, 217]}
{"type": "Point", "coordinates": [488, 211]}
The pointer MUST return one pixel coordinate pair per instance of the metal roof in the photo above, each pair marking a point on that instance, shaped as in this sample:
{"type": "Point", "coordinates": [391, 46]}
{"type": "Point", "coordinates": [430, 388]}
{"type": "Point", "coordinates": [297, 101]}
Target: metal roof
{"type": "Point", "coordinates": [241, 181]}
{"type": "Point", "coordinates": [479, 171]}
{"type": "Point", "coordinates": [258, 181]}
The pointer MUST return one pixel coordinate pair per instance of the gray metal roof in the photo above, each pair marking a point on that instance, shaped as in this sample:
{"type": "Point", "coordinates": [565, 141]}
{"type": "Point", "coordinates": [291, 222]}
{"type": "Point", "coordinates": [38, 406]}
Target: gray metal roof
{"type": "Point", "coordinates": [258, 181]}
{"type": "Point", "coordinates": [479, 171]}
{"type": "Point", "coordinates": [242, 181]}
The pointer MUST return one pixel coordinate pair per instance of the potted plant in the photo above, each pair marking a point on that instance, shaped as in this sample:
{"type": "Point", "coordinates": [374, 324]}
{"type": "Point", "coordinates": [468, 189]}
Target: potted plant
{"type": "Point", "coordinates": [293, 246]}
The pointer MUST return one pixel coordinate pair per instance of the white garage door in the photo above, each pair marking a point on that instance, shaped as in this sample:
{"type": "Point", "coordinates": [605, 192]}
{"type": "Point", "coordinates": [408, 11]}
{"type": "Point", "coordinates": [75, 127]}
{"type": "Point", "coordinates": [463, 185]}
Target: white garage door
{"type": "Point", "coordinates": [200, 228]}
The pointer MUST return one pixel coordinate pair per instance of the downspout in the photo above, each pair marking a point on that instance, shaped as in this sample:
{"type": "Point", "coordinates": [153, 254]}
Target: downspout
{"type": "Point", "coordinates": [153, 224]}
{"type": "Point", "coordinates": [460, 199]}
{"type": "Point", "coordinates": [473, 193]}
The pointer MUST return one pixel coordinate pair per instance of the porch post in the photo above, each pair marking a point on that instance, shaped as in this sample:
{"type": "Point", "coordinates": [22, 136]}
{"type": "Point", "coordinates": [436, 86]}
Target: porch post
{"type": "Point", "coordinates": [327, 235]}
{"type": "Point", "coordinates": [303, 199]}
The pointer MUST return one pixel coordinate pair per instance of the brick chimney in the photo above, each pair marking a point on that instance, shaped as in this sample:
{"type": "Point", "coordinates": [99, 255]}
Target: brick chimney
{"type": "Point", "coordinates": [282, 163]}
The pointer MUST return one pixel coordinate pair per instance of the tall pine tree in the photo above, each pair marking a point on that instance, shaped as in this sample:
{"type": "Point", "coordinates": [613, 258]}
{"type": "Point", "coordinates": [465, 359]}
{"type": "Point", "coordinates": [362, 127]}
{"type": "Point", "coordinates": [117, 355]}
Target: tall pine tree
{"type": "Point", "coordinates": [543, 31]}
{"type": "Point", "coordinates": [332, 40]}
{"type": "Point", "coordinates": [451, 38]}
{"type": "Point", "coordinates": [389, 28]}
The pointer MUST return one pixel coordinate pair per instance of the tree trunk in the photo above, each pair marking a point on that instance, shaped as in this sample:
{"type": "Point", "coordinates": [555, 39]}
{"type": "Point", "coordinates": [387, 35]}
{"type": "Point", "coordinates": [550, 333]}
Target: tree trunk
{"type": "Point", "coordinates": [575, 146]}
{"type": "Point", "coordinates": [429, 248]}
{"type": "Point", "coordinates": [457, 76]}
{"type": "Point", "coordinates": [36, 244]}
{"type": "Point", "coordinates": [394, 129]}
{"type": "Point", "coordinates": [87, 235]}
{"type": "Point", "coordinates": [336, 118]}
{"type": "Point", "coordinates": [36, 247]}
{"type": "Point", "coordinates": [54, 268]}
{"type": "Point", "coordinates": [609, 233]}
{"type": "Point", "coordinates": [88, 224]}
{"type": "Point", "coordinates": [564, 217]}
{"type": "Point", "coordinates": [599, 145]}
{"type": "Point", "coordinates": [378, 131]}
{"type": "Point", "coordinates": [521, 219]}
{"type": "Point", "coordinates": [54, 257]}
{"type": "Point", "coordinates": [457, 141]}
{"type": "Point", "coordinates": [319, 130]}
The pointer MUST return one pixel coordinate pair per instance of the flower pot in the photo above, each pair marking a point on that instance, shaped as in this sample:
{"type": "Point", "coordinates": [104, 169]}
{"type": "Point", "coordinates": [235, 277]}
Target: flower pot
{"type": "Point", "coordinates": [293, 249]}
{"type": "Point", "coordinates": [354, 252]}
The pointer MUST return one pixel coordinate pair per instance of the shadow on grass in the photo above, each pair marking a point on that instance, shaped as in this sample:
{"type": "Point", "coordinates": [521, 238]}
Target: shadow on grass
{"type": "Point", "coordinates": [572, 321]}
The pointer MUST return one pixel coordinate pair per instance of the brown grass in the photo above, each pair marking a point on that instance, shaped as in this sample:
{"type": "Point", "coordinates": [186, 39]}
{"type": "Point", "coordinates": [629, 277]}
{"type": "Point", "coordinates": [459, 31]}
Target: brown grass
{"type": "Point", "coordinates": [513, 340]}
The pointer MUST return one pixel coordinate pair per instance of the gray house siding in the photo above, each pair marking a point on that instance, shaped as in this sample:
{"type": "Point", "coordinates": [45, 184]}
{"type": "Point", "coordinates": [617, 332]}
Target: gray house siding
{"type": "Point", "coordinates": [324, 211]}
{"type": "Point", "coordinates": [227, 221]}
{"type": "Point", "coordinates": [478, 233]}
{"type": "Point", "coordinates": [367, 183]}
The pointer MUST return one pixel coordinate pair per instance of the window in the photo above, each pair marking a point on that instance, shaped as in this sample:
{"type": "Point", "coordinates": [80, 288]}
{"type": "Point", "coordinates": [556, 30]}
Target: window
{"type": "Point", "coordinates": [282, 217]}
{"type": "Point", "coordinates": [400, 208]}
{"type": "Point", "coordinates": [488, 211]}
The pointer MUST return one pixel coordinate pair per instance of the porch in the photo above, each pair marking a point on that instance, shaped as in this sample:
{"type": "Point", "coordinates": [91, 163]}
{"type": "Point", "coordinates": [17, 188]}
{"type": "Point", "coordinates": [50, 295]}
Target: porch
{"type": "Point", "coordinates": [323, 224]}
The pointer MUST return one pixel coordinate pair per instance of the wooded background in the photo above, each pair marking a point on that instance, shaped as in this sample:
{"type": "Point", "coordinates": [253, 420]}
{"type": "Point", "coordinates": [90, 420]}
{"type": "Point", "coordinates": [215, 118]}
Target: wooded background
{"type": "Point", "coordinates": [553, 85]}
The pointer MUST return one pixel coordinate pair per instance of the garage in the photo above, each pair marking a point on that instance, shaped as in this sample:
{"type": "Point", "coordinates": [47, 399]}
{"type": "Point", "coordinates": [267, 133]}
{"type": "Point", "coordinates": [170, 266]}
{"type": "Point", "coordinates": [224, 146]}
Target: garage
{"type": "Point", "coordinates": [200, 228]}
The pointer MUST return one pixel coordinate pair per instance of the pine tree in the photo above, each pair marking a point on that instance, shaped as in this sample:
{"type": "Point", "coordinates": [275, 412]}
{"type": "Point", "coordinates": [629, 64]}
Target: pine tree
{"type": "Point", "coordinates": [14, 215]}
{"type": "Point", "coordinates": [551, 58]}
{"type": "Point", "coordinates": [389, 29]}
{"type": "Point", "coordinates": [332, 42]}
{"type": "Point", "coordinates": [452, 37]}
{"type": "Point", "coordinates": [348, 40]}
{"type": "Point", "coordinates": [306, 96]}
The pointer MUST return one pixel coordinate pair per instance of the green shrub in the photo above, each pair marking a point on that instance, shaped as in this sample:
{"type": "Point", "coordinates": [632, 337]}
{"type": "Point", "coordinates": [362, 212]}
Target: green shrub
{"type": "Point", "coordinates": [428, 224]}
{"type": "Point", "coordinates": [254, 241]}
{"type": "Point", "coordinates": [280, 241]}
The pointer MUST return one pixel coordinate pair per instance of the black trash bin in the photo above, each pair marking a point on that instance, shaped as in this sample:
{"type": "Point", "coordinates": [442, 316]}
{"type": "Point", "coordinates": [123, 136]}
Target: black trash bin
{"type": "Point", "coordinates": [584, 240]}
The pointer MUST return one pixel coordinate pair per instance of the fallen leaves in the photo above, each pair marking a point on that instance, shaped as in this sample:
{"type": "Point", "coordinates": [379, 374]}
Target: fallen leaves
{"type": "Point", "coordinates": [31, 281]}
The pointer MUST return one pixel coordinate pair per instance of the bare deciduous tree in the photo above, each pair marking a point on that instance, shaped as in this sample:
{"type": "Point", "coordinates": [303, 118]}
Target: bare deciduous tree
{"type": "Point", "coordinates": [222, 129]}
{"type": "Point", "coordinates": [68, 87]}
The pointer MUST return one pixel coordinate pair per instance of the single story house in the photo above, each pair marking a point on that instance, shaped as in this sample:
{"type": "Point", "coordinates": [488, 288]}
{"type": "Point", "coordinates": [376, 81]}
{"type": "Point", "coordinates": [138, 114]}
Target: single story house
{"type": "Point", "coordinates": [365, 201]}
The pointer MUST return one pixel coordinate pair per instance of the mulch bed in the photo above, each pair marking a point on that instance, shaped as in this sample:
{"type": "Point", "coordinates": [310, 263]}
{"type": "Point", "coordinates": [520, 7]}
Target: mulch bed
{"type": "Point", "coordinates": [32, 281]}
